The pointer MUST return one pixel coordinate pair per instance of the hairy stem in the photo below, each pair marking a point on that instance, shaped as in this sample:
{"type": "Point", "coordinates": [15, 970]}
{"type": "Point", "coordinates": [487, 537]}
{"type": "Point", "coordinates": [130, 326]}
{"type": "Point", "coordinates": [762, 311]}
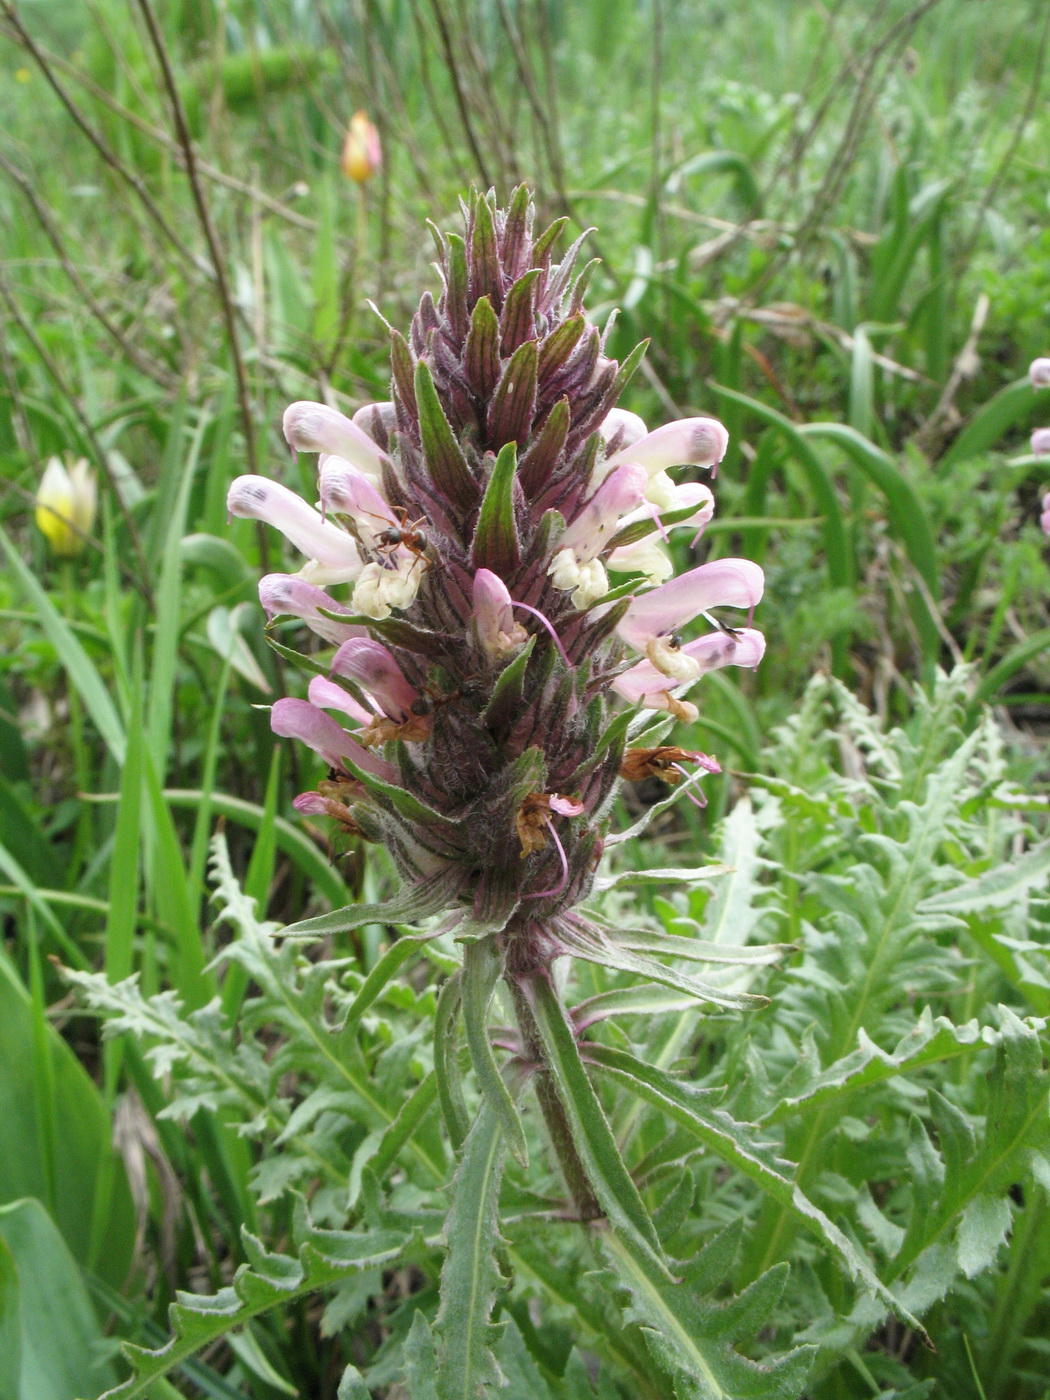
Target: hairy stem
{"type": "Point", "coordinates": [551, 1107]}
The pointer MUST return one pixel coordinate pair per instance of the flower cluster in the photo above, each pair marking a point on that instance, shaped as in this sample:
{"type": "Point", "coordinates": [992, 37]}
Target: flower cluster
{"type": "Point", "coordinates": [476, 518]}
{"type": "Point", "coordinates": [1039, 374]}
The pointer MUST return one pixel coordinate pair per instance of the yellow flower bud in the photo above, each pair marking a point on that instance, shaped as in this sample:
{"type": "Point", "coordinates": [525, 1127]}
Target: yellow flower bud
{"type": "Point", "coordinates": [65, 505]}
{"type": "Point", "coordinates": [362, 154]}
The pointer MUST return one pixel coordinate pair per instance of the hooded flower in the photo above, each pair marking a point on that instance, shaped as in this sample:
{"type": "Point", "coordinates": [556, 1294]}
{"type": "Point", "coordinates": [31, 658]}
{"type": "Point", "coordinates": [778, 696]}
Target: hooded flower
{"type": "Point", "coordinates": [476, 513]}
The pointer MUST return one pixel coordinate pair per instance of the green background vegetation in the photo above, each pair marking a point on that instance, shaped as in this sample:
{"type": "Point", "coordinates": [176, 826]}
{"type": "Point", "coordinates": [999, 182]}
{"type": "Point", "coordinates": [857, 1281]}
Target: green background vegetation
{"type": "Point", "coordinates": [833, 222]}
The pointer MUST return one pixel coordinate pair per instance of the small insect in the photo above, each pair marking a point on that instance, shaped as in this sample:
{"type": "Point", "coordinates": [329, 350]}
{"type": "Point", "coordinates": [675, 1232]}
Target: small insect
{"type": "Point", "coordinates": [724, 627]}
{"type": "Point", "coordinates": [405, 532]}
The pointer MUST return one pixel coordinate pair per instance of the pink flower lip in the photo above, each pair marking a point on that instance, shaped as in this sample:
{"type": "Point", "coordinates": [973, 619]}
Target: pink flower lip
{"type": "Point", "coordinates": [373, 667]}
{"type": "Point", "coordinates": [298, 719]}
{"type": "Point", "coordinates": [736, 583]}
{"type": "Point", "coordinates": [698, 442]}
{"type": "Point", "coordinates": [314, 427]}
{"type": "Point", "coordinates": [713, 651]}
{"type": "Point", "coordinates": [332, 550]}
{"type": "Point", "coordinates": [1039, 373]}
{"type": "Point", "coordinates": [326, 695]}
{"type": "Point", "coordinates": [286, 593]}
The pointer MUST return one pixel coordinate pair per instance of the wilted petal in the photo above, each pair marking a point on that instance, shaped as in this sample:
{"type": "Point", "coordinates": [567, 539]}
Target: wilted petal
{"type": "Point", "coordinates": [735, 583]}
{"type": "Point", "coordinates": [298, 719]}
{"type": "Point", "coordinates": [708, 653]}
{"type": "Point", "coordinates": [287, 593]}
{"type": "Point", "coordinates": [498, 631]}
{"type": "Point", "coordinates": [311, 804]}
{"type": "Point", "coordinates": [698, 442]}
{"type": "Point", "coordinates": [1041, 440]}
{"type": "Point", "coordinates": [619, 494]}
{"type": "Point", "coordinates": [565, 806]}
{"type": "Point", "coordinates": [333, 554]}
{"type": "Point", "coordinates": [1039, 373]}
{"type": "Point", "coordinates": [373, 667]}
{"type": "Point", "coordinates": [326, 695]}
{"type": "Point", "coordinates": [314, 427]}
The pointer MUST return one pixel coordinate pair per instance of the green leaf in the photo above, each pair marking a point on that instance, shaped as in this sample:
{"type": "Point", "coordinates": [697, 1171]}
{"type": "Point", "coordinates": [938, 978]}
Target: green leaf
{"type": "Point", "coordinates": [418, 901]}
{"type": "Point", "coordinates": [995, 889]}
{"type": "Point", "coordinates": [481, 357]}
{"type": "Point", "coordinates": [928, 1042]}
{"type": "Point", "coordinates": [596, 947]}
{"type": "Point", "coordinates": [352, 1386]}
{"type": "Point", "coordinates": [72, 655]}
{"type": "Point", "coordinates": [692, 1109]}
{"type": "Point", "coordinates": [496, 545]}
{"type": "Point", "coordinates": [504, 704]}
{"type": "Point", "coordinates": [51, 1345]}
{"type": "Point", "coordinates": [693, 1339]}
{"type": "Point", "coordinates": [445, 460]}
{"type": "Point", "coordinates": [92, 1201]}
{"type": "Point", "coordinates": [513, 404]}
{"type": "Point", "coordinates": [990, 423]}
{"type": "Point", "coordinates": [161, 696]}
{"type": "Point", "coordinates": [419, 1360]}
{"type": "Point", "coordinates": [836, 546]}
{"type": "Point", "coordinates": [470, 1276]}
{"type": "Point", "coordinates": [666, 876]}
{"type": "Point", "coordinates": [325, 1257]}
{"type": "Point", "coordinates": [481, 971]}
{"type": "Point", "coordinates": [446, 1061]}
{"type": "Point", "coordinates": [592, 1137]}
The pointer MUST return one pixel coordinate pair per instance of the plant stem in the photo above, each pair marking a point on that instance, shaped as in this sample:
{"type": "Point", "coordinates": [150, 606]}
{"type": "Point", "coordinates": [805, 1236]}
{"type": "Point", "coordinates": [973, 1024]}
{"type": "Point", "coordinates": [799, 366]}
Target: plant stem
{"type": "Point", "coordinates": [551, 1107]}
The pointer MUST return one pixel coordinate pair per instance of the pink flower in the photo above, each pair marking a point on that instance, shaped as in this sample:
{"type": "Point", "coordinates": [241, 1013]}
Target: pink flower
{"type": "Point", "coordinates": [365, 417]}
{"type": "Point", "coordinates": [326, 695]}
{"type": "Point", "coordinates": [1039, 373]}
{"type": "Point", "coordinates": [1044, 519]}
{"type": "Point", "coordinates": [620, 492]}
{"type": "Point", "coordinates": [619, 422]}
{"type": "Point", "coordinates": [698, 442]}
{"type": "Point", "coordinates": [347, 491]}
{"type": "Point", "coordinates": [333, 555]}
{"type": "Point", "coordinates": [1041, 440]}
{"type": "Point", "coordinates": [314, 427]}
{"type": "Point", "coordinates": [287, 593]}
{"type": "Point", "coordinates": [735, 583]}
{"type": "Point", "coordinates": [298, 719]}
{"type": "Point", "coordinates": [498, 630]}
{"type": "Point", "coordinates": [372, 666]}
{"type": "Point", "coordinates": [644, 684]}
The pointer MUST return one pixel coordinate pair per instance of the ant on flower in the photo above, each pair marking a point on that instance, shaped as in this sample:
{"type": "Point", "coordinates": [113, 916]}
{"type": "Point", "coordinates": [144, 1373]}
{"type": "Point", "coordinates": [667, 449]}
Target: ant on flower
{"type": "Point", "coordinates": [403, 532]}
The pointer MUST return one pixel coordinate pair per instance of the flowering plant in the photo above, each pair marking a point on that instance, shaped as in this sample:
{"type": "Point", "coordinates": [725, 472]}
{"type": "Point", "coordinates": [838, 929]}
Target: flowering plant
{"type": "Point", "coordinates": [479, 677]}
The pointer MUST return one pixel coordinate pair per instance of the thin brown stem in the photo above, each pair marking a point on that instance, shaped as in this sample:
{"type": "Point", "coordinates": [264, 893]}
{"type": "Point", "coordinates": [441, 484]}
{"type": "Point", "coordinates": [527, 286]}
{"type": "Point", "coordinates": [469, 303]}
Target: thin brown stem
{"type": "Point", "coordinates": [105, 152]}
{"type": "Point", "coordinates": [207, 227]}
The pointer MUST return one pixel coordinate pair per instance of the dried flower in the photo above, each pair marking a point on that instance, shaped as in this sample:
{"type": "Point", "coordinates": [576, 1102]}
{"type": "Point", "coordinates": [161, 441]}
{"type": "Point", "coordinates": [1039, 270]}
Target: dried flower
{"type": "Point", "coordinates": [475, 515]}
{"type": "Point", "coordinates": [362, 153]}
{"type": "Point", "coordinates": [65, 505]}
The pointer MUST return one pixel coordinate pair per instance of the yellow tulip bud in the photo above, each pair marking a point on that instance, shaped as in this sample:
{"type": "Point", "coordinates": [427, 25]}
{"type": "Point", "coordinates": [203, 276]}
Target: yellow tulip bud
{"type": "Point", "coordinates": [362, 154]}
{"type": "Point", "coordinates": [65, 505]}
